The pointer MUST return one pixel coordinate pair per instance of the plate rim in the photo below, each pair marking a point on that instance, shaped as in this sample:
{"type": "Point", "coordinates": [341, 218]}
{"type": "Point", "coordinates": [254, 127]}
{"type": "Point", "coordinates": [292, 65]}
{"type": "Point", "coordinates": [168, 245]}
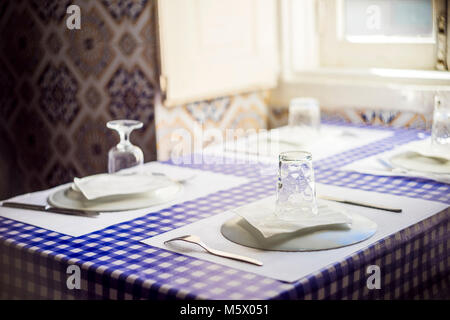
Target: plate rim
{"type": "Point", "coordinates": [52, 202]}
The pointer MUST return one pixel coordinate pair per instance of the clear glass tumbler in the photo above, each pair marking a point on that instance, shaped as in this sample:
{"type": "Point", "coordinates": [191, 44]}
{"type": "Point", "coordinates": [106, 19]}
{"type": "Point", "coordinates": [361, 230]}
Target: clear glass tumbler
{"type": "Point", "coordinates": [124, 155]}
{"type": "Point", "coordinates": [304, 112]}
{"type": "Point", "coordinates": [440, 133]}
{"type": "Point", "coordinates": [296, 191]}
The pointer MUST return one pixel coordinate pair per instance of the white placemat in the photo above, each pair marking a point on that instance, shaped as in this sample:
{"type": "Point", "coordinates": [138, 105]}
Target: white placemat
{"type": "Point", "coordinates": [76, 226]}
{"type": "Point", "coordinates": [291, 266]}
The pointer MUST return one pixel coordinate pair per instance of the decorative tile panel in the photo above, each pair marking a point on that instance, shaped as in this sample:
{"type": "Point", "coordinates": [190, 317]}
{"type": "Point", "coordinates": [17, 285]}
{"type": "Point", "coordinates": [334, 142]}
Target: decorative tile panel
{"type": "Point", "coordinates": [58, 94]}
{"type": "Point", "coordinates": [54, 94]}
{"type": "Point", "coordinates": [120, 9]}
{"type": "Point", "coordinates": [278, 116]}
{"type": "Point", "coordinates": [48, 10]}
{"type": "Point", "coordinates": [92, 142]}
{"type": "Point", "coordinates": [131, 95]}
{"type": "Point", "coordinates": [8, 98]}
{"type": "Point", "coordinates": [90, 48]}
{"type": "Point", "coordinates": [127, 43]}
{"type": "Point", "coordinates": [21, 39]}
{"type": "Point", "coordinates": [58, 173]}
{"type": "Point", "coordinates": [184, 123]}
{"type": "Point", "coordinates": [31, 136]}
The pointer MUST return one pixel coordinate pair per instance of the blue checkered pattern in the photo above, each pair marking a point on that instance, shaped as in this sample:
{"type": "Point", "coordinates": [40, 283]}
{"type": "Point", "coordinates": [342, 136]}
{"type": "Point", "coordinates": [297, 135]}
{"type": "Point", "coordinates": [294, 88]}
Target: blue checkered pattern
{"type": "Point", "coordinates": [116, 265]}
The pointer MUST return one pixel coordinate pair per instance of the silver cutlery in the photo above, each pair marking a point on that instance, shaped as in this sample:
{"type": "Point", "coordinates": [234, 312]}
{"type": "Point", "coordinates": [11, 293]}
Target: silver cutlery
{"type": "Point", "coordinates": [361, 204]}
{"type": "Point", "coordinates": [184, 180]}
{"type": "Point", "coordinates": [196, 240]}
{"type": "Point", "coordinates": [46, 208]}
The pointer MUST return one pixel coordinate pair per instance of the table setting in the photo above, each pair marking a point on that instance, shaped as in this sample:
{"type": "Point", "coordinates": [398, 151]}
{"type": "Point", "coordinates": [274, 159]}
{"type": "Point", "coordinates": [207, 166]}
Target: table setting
{"type": "Point", "coordinates": [130, 189]}
{"type": "Point", "coordinates": [419, 159]}
{"type": "Point", "coordinates": [268, 234]}
{"type": "Point", "coordinates": [215, 231]}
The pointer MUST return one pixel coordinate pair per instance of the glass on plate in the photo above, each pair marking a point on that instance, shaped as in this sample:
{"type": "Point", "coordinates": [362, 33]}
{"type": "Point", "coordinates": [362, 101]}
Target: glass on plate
{"type": "Point", "coordinates": [124, 155]}
{"type": "Point", "coordinates": [296, 190]}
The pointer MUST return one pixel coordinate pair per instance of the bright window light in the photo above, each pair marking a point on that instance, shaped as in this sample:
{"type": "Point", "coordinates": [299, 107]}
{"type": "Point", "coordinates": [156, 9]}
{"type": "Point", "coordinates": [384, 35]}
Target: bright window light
{"type": "Point", "coordinates": [391, 21]}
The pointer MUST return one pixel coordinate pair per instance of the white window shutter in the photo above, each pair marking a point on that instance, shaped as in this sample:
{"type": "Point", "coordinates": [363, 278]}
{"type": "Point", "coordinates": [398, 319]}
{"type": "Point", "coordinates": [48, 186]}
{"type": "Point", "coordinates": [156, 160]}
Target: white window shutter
{"type": "Point", "coordinates": [211, 48]}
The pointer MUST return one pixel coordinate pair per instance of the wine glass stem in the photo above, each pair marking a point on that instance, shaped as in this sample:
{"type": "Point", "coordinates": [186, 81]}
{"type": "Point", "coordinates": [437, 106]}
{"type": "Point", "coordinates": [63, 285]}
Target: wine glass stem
{"type": "Point", "coordinates": [124, 137]}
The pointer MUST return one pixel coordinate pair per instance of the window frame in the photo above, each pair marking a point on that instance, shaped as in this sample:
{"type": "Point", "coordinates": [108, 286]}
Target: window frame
{"type": "Point", "coordinates": [436, 5]}
{"type": "Point", "coordinates": [302, 74]}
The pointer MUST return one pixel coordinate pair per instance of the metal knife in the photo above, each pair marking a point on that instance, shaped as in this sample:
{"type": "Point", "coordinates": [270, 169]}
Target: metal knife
{"type": "Point", "coordinates": [361, 204]}
{"type": "Point", "coordinates": [46, 208]}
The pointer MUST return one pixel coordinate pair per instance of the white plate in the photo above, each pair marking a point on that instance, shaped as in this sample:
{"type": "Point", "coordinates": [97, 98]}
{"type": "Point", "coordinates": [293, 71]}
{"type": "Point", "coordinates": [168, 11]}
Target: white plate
{"type": "Point", "coordinates": [238, 230]}
{"type": "Point", "coordinates": [417, 162]}
{"type": "Point", "coordinates": [69, 198]}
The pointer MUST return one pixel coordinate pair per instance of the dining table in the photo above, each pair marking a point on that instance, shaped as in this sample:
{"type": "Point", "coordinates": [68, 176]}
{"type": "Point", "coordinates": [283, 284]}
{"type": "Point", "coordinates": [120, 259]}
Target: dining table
{"type": "Point", "coordinates": [119, 258]}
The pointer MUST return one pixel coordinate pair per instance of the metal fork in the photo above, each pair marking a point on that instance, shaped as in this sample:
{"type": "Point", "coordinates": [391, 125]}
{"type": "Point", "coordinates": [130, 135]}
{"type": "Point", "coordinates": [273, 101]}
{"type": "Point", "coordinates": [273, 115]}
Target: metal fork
{"type": "Point", "coordinates": [196, 240]}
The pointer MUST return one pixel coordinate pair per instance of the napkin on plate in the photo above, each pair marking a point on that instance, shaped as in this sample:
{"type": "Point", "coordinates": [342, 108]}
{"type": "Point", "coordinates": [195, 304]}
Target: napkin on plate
{"type": "Point", "coordinates": [104, 185]}
{"type": "Point", "coordinates": [427, 149]}
{"type": "Point", "coordinates": [261, 215]}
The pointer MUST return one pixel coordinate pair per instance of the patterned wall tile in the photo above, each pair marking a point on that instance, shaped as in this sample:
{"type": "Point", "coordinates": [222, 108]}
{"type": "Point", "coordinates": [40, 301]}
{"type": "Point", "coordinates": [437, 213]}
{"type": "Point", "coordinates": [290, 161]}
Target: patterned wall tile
{"type": "Point", "coordinates": [127, 43]}
{"type": "Point", "coordinates": [11, 181]}
{"type": "Point", "coordinates": [92, 142]}
{"type": "Point", "coordinates": [34, 181]}
{"type": "Point", "coordinates": [62, 145]}
{"type": "Point", "coordinates": [31, 136]}
{"type": "Point", "coordinates": [241, 111]}
{"type": "Point", "coordinates": [149, 41]}
{"type": "Point", "coordinates": [131, 95]}
{"type": "Point", "coordinates": [26, 91]}
{"type": "Point", "coordinates": [278, 116]}
{"type": "Point", "coordinates": [54, 94]}
{"type": "Point", "coordinates": [247, 111]}
{"type": "Point", "coordinates": [21, 39]}
{"type": "Point", "coordinates": [8, 97]}
{"type": "Point", "coordinates": [209, 110]}
{"type": "Point", "coordinates": [48, 10]}
{"type": "Point", "coordinates": [120, 9]}
{"type": "Point", "coordinates": [59, 172]}
{"type": "Point", "coordinates": [54, 43]}
{"type": "Point", "coordinates": [58, 94]}
{"type": "Point", "coordinates": [90, 49]}
{"type": "Point", "coordinates": [92, 97]}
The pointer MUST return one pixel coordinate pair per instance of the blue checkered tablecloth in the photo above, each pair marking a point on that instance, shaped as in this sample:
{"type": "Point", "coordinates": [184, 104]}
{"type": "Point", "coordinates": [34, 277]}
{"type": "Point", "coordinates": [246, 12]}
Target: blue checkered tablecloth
{"type": "Point", "coordinates": [114, 263]}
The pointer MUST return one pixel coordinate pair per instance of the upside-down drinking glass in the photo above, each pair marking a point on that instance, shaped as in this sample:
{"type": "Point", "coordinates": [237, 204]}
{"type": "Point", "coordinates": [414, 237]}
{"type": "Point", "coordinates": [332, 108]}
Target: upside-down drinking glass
{"type": "Point", "coordinates": [304, 112]}
{"type": "Point", "coordinates": [124, 155]}
{"type": "Point", "coordinates": [440, 133]}
{"type": "Point", "coordinates": [296, 191]}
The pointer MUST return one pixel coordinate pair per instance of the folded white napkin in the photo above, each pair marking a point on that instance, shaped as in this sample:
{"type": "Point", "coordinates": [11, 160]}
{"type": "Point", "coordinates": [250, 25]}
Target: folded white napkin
{"type": "Point", "coordinates": [104, 185]}
{"type": "Point", "coordinates": [261, 215]}
{"type": "Point", "coordinates": [427, 149]}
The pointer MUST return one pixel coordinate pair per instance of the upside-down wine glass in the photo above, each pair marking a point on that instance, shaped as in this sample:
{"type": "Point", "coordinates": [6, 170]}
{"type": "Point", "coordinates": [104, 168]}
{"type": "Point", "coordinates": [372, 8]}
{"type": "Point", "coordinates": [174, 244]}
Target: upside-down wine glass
{"type": "Point", "coordinates": [124, 155]}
